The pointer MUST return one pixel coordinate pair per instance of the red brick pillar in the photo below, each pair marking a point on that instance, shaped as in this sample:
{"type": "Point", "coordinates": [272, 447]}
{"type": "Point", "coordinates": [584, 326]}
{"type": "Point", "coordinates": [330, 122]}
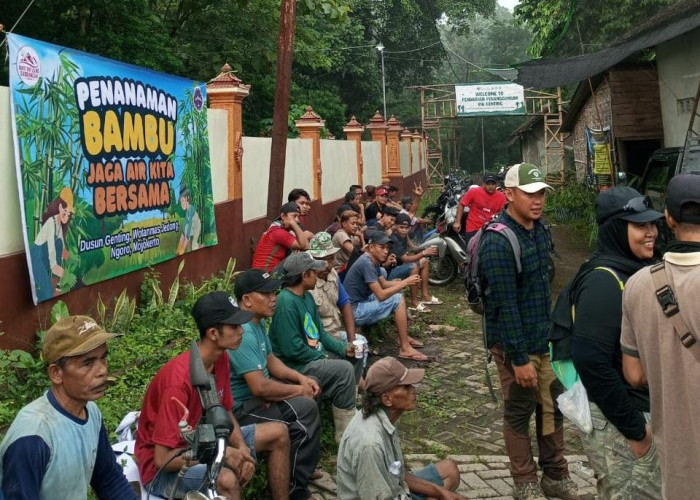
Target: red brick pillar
{"type": "Point", "coordinates": [377, 129]}
{"type": "Point", "coordinates": [227, 91]}
{"type": "Point", "coordinates": [310, 125]}
{"type": "Point", "coordinates": [353, 132]}
{"type": "Point", "coordinates": [392, 145]}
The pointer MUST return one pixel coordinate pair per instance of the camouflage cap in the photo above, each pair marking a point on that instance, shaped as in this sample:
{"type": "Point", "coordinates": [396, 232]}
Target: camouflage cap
{"type": "Point", "coordinates": [321, 246]}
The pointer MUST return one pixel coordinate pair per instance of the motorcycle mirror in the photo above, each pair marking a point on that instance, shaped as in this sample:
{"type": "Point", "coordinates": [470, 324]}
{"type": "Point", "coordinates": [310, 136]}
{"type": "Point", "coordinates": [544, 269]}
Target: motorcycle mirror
{"type": "Point", "coordinates": [198, 375]}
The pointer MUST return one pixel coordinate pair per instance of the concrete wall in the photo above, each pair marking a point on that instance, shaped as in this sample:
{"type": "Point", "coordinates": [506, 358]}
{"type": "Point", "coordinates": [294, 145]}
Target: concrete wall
{"type": "Point", "coordinates": [371, 156]}
{"type": "Point", "coordinates": [404, 159]}
{"type": "Point", "coordinates": [339, 166]}
{"type": "Point", "coordinates": [256, 172]}
{"type": "Point", "coordinates": [678, 64]}
{"type": "Point", "coordinates": [12, 240]}
{"type": "Point", "coordinates": [240, 222]}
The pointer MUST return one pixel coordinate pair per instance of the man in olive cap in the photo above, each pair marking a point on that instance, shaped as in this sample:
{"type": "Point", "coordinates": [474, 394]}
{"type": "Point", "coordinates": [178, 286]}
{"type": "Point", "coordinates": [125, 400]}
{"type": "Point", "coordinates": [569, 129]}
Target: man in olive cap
{"type": "Point", "coordinates": [371, 441]}
{"type": "Point", "coordinates": [57, 445]}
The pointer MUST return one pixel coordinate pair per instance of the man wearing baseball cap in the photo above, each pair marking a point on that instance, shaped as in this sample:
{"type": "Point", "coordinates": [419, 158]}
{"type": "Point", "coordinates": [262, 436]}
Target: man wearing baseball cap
{"type": "Point", "coordinates": [57, 446]}
{"type": "Point", "coordinates": [516, 324]}
{"type": "Point", "coordinates": [370, 461]}
{"type": "Point", "coordinates": [158, 439]}
{"type": "Point", "coordinates": [661, 340]}
{"type": "Point", "coordinates": [266, 390]}
{"type": "Point", "coordinates": [374, 298]}
{"type": "Point", "coordinates": [299, 339]}
{"type": "Point", "coordinates": [283, 235]}
{"type": "Point", "coordinates": [483, 203]}
{"type": "Point", "coordinates": [371, 210]}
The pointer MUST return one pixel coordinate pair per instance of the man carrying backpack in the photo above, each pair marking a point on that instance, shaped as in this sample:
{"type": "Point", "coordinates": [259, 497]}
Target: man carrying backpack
{"type": "Point", "coordinates": [661, 343]}
{"type": "Point", "coordinates": [516, 324]}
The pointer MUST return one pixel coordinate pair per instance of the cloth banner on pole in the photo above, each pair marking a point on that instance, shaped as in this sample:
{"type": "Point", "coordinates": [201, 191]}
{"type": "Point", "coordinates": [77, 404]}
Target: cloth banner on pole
{"type": "Point", "coordinates": [112, 165]}
{"type": "Point", "coordinates": [598, 159]}
{"type": "Point", "coordinates": [490, 99]}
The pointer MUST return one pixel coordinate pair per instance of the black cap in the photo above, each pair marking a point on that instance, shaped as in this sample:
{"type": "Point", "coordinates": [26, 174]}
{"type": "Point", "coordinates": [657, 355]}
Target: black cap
{"type": "Point", "coordinates": [683, 188]}
{"type": "Point", "coordinates": [403, 219]}
{"type": "Point", "coordinates": [390, 211]}
{"type": "Point", "coordinates": [623, 202]}
{"type": "Point", "coordinates": [378, 237]}
{"type": "Point", "coordinates": [289, 208]}
{"type": "Point", "coordinates": [255, 280]}
{"type": "Point", "coordinates": [489, 178]}
{"type": "Point", "coordinates": [218, 308]}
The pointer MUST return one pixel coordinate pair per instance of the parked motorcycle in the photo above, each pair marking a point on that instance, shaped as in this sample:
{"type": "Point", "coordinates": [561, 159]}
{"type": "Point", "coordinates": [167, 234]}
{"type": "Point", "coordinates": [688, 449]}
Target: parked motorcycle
{"type": "Point", "coordinates": [452, 248]}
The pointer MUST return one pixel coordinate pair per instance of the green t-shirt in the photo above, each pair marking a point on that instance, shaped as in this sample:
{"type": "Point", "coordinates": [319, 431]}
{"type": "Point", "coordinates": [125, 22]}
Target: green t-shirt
{"type": "Point", "coordinates": [297, 334]}
{"type": "Point", "coordinates": [249, 357]}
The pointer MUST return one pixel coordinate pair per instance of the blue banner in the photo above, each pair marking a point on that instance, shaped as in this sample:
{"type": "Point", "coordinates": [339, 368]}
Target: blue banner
{"type": "Point", "coordinates": [112, 165]}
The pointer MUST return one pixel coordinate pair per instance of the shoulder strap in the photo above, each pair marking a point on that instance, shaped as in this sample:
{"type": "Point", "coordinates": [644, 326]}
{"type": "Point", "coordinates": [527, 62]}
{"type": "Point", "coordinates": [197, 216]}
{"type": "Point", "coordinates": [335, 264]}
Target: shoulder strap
{"type": "Point", "coordinates": [499, 227]}
{"type": "Point", "coordinates": [612, 271]}
{"type": "Point", "coordinates": [669, 305]}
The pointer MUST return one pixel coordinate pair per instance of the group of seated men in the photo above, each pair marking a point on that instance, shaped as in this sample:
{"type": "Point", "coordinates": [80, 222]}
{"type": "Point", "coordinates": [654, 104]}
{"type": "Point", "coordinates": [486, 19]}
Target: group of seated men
{"type": "Point", "coordinates": [273, 355]}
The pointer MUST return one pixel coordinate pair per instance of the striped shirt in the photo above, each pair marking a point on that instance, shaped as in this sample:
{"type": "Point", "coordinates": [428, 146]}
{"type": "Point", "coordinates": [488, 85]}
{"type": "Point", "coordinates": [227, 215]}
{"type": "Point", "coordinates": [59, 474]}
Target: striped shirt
{"type": "Point", "coordinates": [518, 305]}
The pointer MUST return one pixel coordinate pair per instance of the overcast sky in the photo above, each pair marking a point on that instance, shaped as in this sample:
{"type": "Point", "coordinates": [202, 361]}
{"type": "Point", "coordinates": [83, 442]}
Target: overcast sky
{"type": "Point", "coordinates": [509, 4]}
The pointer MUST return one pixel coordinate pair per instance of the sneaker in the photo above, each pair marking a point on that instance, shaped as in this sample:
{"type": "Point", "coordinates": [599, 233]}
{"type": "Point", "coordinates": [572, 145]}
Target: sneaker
{"type": "Point", "coordinates": [528, 491]}
{"type": "Point", "coordinates": [565, 489]}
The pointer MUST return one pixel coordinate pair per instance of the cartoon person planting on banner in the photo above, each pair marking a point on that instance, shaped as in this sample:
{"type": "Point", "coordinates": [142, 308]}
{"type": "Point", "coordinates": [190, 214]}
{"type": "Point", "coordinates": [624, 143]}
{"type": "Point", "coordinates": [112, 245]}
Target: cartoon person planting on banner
{"type": "Point", "coordinates": [189, 239]}
{"type": "Point", "coordinates": [49, 250]}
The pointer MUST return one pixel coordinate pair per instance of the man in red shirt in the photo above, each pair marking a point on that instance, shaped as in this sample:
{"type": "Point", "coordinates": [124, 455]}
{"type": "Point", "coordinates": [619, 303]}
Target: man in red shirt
{"type": "Point", "coordinates": [284, 234]}
{"type": "Point", "coordinates": [158, 440]}
{"type": "Point", "coordinates": [484, 202]}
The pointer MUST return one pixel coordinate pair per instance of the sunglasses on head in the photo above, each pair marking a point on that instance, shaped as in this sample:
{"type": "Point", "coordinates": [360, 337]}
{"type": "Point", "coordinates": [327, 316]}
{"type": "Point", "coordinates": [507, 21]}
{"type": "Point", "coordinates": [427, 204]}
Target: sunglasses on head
{"type": "Point", "coordinates": [637, 205]}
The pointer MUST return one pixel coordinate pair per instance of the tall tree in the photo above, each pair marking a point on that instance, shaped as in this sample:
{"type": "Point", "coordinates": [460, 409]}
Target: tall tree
{"type": "Point", "coordinates": [571, 27]}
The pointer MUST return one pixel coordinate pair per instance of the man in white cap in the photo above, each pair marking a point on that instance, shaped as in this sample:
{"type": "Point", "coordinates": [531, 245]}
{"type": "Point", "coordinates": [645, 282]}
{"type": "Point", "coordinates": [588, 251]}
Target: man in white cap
{"type": "Point", "coordinates": [57, 445]}
{"type": "Point", "coordinates": [370, 461]}
{"type": "Point", "coordinates": [516, 324]}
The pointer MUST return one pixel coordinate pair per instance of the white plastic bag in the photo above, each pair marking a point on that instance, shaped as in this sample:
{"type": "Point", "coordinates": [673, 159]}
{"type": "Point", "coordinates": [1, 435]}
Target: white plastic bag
{"type": "Point", "coordinates": [574, 405]}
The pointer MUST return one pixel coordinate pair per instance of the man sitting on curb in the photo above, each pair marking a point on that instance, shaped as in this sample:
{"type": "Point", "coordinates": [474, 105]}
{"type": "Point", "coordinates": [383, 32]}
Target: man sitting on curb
{"type": "Point", "coordinates": [286, 398]}
{"type": "Point", "coordinates": [373, 298]}
{"type": "Point", "coordinates": [57, 445]}
{"type": "Point", "coordinates": [300, 341]}
{"type": "Point", "coordinates": [283, 235]}
{"type": "Point", "coordinates": [332, 300]}
{"type": "Point", "coordinates": [411, 263]}
{"type": "Point", "coordinates": [370, 461]}
{"type": "Point", "coordinates": [158, 439]}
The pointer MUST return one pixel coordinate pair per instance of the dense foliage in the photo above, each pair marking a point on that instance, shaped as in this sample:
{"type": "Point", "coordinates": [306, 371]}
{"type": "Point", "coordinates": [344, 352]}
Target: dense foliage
{"type": "Point", "coordinates": [337, 68]}
{"type": "Point", "coordinates": [572, 27]}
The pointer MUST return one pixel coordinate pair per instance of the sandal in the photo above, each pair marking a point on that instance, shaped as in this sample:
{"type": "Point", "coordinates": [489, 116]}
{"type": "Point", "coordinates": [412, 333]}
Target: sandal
{"type": "Point", "coordinates": [421, 308]}
{"type": "Point", "coordinates": [415, 357]}
{"type": "Point", "coordinates": [415, 343]}
{"type": "Point", "coordinates": [434, 301]}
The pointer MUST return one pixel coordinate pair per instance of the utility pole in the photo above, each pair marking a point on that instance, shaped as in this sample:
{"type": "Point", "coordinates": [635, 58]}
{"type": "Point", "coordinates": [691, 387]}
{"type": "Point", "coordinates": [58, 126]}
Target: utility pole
{"type": "Point", "coordinates": [278, 150]}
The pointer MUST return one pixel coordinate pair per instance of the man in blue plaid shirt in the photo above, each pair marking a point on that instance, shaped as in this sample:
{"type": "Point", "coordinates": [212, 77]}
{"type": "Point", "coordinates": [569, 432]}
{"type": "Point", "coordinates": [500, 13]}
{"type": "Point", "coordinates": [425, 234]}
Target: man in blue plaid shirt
{"type": "Point", "coordinates": [516, 322]}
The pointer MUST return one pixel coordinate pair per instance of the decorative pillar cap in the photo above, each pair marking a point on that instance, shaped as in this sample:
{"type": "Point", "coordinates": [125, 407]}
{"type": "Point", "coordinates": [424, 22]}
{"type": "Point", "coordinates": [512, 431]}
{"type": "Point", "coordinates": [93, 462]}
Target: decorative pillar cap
{"type": "Point", "coordinates": [377, 122]}
{"type": "Point", "coordinates": [394, 125]}
{"type": "Point", "coordinates": [227, 80]}
{"type": "Point", "coordinates": [310, 119]}
{"type": "Point", "coordinates": [406, 134]}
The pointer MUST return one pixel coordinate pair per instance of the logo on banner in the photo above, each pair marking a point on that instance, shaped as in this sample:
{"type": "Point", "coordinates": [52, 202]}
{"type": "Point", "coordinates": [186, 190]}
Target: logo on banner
{"type": "Point", "coordinates": [28, 65]}
{"type": "Point", "coordinates": [198, 99]}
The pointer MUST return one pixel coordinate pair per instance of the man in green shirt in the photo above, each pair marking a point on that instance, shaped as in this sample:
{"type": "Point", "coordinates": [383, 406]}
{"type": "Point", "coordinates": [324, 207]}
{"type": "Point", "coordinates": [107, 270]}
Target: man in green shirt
{"type": "Point", "coordinates": [288, 398]}
{"type": "Point", "coordinates": [300, 341]}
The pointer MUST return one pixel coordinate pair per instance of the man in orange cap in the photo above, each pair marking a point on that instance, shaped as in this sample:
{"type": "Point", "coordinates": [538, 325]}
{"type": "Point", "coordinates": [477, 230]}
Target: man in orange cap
{"type": "Point", "coordinates": [57, 445]}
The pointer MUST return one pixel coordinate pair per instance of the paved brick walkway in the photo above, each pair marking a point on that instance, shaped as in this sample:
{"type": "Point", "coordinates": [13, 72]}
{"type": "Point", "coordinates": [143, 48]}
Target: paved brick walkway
{"type": "Point", "coordinates": [456, 416]}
